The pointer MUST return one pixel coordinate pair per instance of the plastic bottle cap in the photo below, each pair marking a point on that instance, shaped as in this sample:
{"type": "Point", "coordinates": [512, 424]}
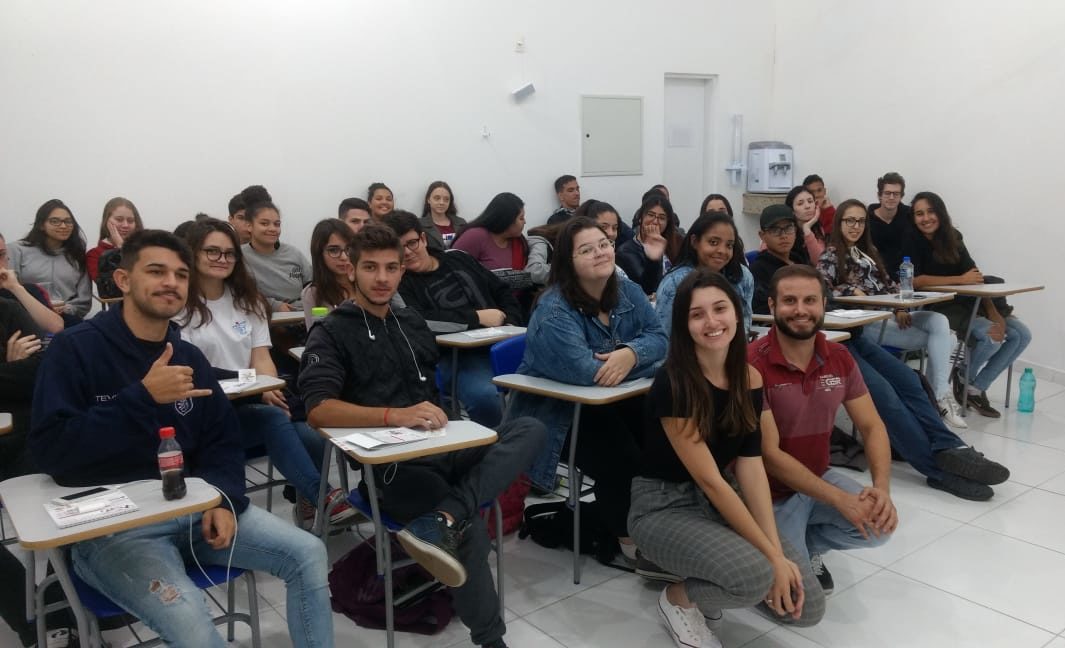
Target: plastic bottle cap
{"type": "Point", "coordinates": [166, 433]}
{"type": "Point", "coordinates": [319, 311]}
{"type": "Point", "coordinates": [905, 259]}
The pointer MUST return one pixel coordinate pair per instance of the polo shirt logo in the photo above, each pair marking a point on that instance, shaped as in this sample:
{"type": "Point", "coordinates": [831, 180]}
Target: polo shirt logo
{"type": "Point", "coordinates": [830, 381]}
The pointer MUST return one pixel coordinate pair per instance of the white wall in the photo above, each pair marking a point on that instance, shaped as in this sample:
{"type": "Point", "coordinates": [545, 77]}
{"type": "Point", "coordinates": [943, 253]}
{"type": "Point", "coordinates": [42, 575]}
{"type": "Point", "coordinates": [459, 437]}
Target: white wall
{"type": "Point", "coordinates": [963, 98]}
{"type": "Point", "coordinates": [179, 105]}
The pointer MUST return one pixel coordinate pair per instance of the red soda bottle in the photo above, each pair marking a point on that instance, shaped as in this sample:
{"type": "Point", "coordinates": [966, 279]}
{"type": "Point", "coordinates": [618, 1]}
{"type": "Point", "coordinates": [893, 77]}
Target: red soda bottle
{"type": "Point", "coordinates": [171, 465]}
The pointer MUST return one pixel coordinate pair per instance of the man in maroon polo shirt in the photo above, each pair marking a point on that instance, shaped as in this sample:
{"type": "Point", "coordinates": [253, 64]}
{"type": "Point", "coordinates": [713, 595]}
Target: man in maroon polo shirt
{"type": "Point", "coordinates": [806, 379]}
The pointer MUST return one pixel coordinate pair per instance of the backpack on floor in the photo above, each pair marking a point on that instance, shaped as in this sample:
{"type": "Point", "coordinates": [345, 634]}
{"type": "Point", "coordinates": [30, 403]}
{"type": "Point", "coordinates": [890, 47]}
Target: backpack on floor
{"type": "Point", "coordinates": [551, 525]}
{"type": "Point", "coordinates": [358, 592]}
{"type": "Point", "coordinates": [512, 501]}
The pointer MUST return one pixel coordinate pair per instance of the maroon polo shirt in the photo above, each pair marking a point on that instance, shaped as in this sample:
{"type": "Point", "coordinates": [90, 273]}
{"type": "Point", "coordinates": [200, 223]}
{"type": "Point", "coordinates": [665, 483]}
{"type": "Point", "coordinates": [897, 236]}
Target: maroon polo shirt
{"type": "Point", "coordinates": [804, 401]}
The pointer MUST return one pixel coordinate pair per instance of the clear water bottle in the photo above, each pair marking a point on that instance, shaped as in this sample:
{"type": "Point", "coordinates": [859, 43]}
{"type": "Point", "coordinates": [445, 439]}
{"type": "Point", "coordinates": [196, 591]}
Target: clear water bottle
{"type": "Point", "coordinates": [171, 465]}
{"type": "Point", "coordinates": [906, 279]}
{"type": "Point", "coordinates": [1026, 402]}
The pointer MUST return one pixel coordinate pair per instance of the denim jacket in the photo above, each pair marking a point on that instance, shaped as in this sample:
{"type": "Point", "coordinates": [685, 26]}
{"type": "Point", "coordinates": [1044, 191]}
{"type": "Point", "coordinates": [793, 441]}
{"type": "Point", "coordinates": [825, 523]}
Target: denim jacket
{"type": "Point", "coordinates": [667, 293]}
{"type": "Point", "coordinates": [560, 344]}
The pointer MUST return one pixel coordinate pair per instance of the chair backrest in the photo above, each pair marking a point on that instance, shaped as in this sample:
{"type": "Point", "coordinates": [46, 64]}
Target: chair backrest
{"type": "Point", "coordinates": [751, 254]}
{"type": "Point", "coordinates": [505, 356]}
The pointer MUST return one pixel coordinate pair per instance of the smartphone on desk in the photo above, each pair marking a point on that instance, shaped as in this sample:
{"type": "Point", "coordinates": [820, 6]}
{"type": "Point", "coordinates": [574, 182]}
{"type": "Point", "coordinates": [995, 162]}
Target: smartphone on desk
{"type": "Point", "coordinates": [73, 498]}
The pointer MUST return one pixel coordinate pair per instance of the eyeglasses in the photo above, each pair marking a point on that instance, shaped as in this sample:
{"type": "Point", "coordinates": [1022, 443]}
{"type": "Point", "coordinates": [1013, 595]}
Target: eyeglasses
{"type": "Point", "coordinates": [60, 222]}
{"type": "Point", "coordinates": [590, 248]}
{"type": "Point", "coordinates": [891, 194]}
{"type": "Point", "coordinates": [783, 230]}
{"type": "Point", "coordinates": [334, 251]}
{"type": "Point", "coordinates": [854, 222]}
{"type": "Point", "coordinates": [413, 244]}
{"type": "Point", "coordinates": [661, 218]}
{"type": "Point", "coordinates": [215, 254]}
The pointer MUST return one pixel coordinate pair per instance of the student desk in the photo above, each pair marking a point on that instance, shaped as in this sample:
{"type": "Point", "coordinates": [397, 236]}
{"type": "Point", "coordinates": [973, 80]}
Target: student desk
{"type": "Point", "coordinates": [982, 291]}
{"type": "Point", "coordinates": [837, 323]}
{"type": "Point", "coordinates": [105, 302]}
{"type": "Point", "coordinates": [261, 385]}
{"type": "Point", "coordinates": [578, 395]}
{"type": "Point", "coordinates": [472, 339]}
{"type": "Point", "coordinates": [5, 423]}
{"type": "Point", "coordinates": [24, 498]}
{"type": "Point", "coordinates": [893, 301]}
{"type": "Point", "coordinates": [457, 435]}
{"type": "Point", "coordinates": [296, 353]}
{"type": "Point", "coordinates": [281, 318]}
{"type": "Point", "coordinates": [831, 336]}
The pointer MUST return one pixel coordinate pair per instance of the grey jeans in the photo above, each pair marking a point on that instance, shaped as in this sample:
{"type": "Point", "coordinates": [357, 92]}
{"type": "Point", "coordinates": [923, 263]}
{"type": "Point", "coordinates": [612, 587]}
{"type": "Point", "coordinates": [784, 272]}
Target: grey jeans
{"type": "Point", "coordinates": [677, 528]}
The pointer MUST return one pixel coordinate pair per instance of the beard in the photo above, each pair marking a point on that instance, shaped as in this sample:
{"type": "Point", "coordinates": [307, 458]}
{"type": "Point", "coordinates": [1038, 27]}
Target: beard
{"type": "Point", "coordinates": [784, 328]}
{"type": "Point", "coordinates": [365, 294]}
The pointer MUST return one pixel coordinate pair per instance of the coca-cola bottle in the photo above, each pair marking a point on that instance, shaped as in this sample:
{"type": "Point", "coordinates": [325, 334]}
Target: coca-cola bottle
{"type": "Point", "coordinates": [171, 465]}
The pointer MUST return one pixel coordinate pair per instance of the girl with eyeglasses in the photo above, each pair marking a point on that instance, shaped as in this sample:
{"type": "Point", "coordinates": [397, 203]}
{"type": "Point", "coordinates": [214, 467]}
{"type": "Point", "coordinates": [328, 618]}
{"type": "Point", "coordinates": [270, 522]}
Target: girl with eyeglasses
{"type": "Point", "coordinates": [52, 255]}
{"type": "Point", "coordinates": [852, 265]}
{"type": "Point", "coordinates": [280, 270]}
{"type": "Point", "coordinates": [656, 246]}
{"type": "Point", "coordinates": [228, 320]}
{"type": "Point", "coordinates": [120, 219]}
{"type": "Point", "coordinates": [331, 270]}
{"type": "Point", "coordinates": [591, 327]}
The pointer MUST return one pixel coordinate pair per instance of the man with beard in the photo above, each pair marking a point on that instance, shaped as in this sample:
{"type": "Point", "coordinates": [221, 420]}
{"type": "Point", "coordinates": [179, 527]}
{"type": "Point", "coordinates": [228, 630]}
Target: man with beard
{"type": "Point", "coordinates": [366, 365]}
{"type": "Point", "coordinates": [104, 389]}
{"type": "Point", "coordinates": [806, 379]}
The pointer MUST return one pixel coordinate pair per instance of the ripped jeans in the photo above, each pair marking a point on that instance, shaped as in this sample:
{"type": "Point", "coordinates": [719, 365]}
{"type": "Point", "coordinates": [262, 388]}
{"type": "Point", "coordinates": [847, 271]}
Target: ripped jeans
{"type": "Point", "coordinates": [143, 571]}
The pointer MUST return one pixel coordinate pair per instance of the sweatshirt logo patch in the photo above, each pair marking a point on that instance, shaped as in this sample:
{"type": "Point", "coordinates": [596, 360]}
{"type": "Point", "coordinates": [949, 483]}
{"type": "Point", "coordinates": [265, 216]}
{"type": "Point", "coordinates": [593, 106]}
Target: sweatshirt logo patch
{"type": "Point", "coordinates": [312, 358]}
{"type": "Point", "coordinates": [183, 406]}
{"type": "Point", "coordinates": [295, 273]}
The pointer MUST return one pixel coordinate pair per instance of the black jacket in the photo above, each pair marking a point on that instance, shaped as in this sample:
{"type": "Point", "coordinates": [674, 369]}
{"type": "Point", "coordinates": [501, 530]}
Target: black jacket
{"type": "Point", "coordinates": [643, 271]}
{"type": "Point", "coordinates": [456, 290]}
{"type": "Point", "coordinates": [889, 238]}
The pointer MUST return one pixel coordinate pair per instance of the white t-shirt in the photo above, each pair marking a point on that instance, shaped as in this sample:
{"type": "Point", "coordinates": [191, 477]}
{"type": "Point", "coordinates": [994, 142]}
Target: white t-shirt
{"type": "Point", "coordinates": [227, 340]}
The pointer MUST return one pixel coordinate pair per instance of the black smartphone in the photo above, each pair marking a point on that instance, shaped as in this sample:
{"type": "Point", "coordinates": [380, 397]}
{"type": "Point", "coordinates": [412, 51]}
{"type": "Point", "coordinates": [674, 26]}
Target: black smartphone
{"type": "Point", "coordinates": [84, 493]}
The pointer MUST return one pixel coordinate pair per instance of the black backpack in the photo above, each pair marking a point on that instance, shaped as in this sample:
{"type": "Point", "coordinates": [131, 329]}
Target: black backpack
{"type": "Point", "coordinates": [551, 525]}
{"type": "Point", "coordinates": [105, 283]}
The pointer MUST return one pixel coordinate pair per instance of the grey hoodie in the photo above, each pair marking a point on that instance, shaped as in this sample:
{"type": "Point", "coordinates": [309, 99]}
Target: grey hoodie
{"type": "Point", "coordinates": [63, 280]}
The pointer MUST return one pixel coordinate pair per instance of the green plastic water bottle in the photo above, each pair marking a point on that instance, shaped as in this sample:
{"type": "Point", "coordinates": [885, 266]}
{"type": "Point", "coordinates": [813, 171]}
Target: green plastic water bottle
{"type": "Point", "coordinates": [1026, 401]}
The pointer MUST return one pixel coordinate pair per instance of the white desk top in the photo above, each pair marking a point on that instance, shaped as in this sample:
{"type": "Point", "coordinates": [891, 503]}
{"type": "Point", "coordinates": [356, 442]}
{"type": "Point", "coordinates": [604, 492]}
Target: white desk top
{"type": "Point", "coordinates": [261, 385]}
{"type": "Point", "coordinates": [479, 337]}
{"type": "Point", "coordinates": [296, 353]}
{"type": "Point", "coordinates": [24, 499]}
{"type": "Point", "coordinates": [987, 290]}
{"type": "Point", "coordinates": [894, 301]}
{"type": "Point", "coordinates": [586, 394]}
{"type": "Point", "coordinates": [831, 336]}
{"type": "Point", "coordinates": [5, 423]}
{"type": "Point", "coordinates": [457, 435]}
{"type": "Point", "coordinates": [835, 322]}
{"type": "Point", "coordinates": [291, 317]}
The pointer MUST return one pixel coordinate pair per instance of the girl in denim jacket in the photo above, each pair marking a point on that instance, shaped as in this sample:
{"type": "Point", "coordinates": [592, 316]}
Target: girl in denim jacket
{"type": "Point", "coordinates": [591, 327]}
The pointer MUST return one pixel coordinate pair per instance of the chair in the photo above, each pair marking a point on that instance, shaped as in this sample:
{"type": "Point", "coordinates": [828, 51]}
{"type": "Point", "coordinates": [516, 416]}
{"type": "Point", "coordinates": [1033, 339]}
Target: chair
{"type": "Point", "coordinates": [251, 457]}
{"type": "Point", "coordinates": [751, 255]}
{"type": "Point", "coordinates": [383, 525]}
{"type": "Point", "coordinates": [99, 606]}
{"type": "Point", "coordinates": [505, 357]}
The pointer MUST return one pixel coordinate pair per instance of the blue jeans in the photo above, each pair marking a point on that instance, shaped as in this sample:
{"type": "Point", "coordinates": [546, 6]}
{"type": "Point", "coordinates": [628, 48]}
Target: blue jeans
{"type": "Point", "coordinates": [293, 446]}
{"type": "Point", "coordinates": [929, 330]}
{"type": "Point", "coordinates": [813, 527]}
{"type": "Point", "coordinates": [143, 570]}
{"type": "Point", "coordinates": [913, 425]}
{"type": "Point", "coordinates": [476, 390]}
{"type": "Point", "coordinates": [990, 358]}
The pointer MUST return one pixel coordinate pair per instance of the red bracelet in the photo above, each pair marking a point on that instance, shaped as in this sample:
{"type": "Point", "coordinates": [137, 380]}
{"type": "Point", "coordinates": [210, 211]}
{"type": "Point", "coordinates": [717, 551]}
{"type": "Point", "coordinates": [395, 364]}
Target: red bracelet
{"type": "Point", "coordinates": [387, 410]}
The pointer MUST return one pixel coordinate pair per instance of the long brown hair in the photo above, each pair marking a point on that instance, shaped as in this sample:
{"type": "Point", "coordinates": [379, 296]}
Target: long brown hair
{"type": "Point", "coordinates": [564, 275]}
{"type": "Point", "coordinates": [327, 289]}
{"type": "Point", "coordinates": [73, 248]}
{"type": "Point", "coordinates": [689, 385]}
{"type": "Point", "coordinates": [946, 241]}
{"type": "Point", "coordinates": [864, 243]}
{"type": "Point", "coordinates": [241, 284]}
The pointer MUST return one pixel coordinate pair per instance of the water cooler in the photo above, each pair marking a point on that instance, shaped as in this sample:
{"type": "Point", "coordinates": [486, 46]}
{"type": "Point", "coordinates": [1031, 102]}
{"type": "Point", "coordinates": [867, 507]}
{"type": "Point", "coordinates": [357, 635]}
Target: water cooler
{"type": "Point", "coordinates": [769, 167]}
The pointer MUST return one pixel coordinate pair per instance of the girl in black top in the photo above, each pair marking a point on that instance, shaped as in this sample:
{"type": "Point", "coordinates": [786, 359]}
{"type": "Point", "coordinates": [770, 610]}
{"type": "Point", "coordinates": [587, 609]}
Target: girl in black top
{"type": "Point", "coordinates": [703, 415]}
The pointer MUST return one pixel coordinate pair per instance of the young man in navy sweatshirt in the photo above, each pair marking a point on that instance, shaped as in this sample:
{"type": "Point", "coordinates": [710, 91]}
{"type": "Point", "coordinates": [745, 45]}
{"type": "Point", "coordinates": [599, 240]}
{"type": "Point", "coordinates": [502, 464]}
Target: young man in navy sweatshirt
{"type": "Point", "coordinates": [103, 391]}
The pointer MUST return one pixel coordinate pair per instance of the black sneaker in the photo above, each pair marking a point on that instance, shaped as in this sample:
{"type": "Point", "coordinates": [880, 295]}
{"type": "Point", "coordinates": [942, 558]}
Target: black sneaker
{"type": "Point", "coordinates": [817, 564]}
{"type": "Point", "coordinates": [962, 487]}
{"type": "Point", "coordinates": [498, 643]}
{"type": "Point", "coordinates": [968, 463]}
{"type": "Point", "coordinates": [957, 385]}
{"type": "Point", "coordinates": [651, 571]}
{"type": "Point", "coordinates": [433, 544]}
{"type": "Point", "coordinates": [979, 404]}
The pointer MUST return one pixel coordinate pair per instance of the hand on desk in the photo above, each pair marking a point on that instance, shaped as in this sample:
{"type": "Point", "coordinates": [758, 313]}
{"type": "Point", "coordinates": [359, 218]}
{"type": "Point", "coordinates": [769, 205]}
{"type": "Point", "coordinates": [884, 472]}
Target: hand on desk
{"type": "Point", "coordinates": [424, 414]}
{"type": "Point", "coordinates": [282, 307]}
{"type": "Point", "coordinates": [489, 317]}
{"type": "Point", "coordinates": [277, 399]}
{"type": "Point", "coordinates": [169, 384]}
{"type": "Point", "coordinates": [616, 365]}
{"type": "Point", "coordinates": [218, 525]}
{"type": "Point", "coordinates": [973, 276]}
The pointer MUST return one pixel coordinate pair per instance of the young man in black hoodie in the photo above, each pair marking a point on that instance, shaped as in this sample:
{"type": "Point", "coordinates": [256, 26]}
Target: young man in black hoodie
{"type": "Point", "coordinates": [367, 365]}
{"type": "Point", "coordinates": [104, 389]}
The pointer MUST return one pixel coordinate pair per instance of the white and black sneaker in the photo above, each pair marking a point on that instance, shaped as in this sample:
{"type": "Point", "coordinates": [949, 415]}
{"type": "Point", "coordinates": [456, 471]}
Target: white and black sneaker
{"type": "Point", "coordinates": [687, 626]}
{"type": "Point", "coordinates": [817, 564]}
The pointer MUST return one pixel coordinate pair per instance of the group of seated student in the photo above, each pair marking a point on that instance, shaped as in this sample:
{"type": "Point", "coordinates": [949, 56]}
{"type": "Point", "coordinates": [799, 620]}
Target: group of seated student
{"type": "Point", "coordinates": [718, 481]}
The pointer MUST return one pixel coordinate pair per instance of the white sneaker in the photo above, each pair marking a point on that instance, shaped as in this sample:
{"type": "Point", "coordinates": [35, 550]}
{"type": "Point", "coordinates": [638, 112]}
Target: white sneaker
{"type": "Point", "coordinates": [687, 626]}
{"type": "Point", "coordinates": [952, 413]}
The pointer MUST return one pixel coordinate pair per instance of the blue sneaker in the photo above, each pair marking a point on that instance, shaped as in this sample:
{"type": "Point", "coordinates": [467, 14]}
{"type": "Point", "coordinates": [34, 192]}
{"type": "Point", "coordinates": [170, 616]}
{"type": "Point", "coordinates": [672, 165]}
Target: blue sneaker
{"type": "Point", "coordinates": [434, 545]}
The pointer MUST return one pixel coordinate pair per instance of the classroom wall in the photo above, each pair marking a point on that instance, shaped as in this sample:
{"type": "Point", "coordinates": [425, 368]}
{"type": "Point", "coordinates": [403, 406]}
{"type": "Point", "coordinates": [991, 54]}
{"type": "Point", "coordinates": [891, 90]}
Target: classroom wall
{"type": "Point", "coordinates": [179, 105]}
{"type": "Point", "coordinates": [963, 98]}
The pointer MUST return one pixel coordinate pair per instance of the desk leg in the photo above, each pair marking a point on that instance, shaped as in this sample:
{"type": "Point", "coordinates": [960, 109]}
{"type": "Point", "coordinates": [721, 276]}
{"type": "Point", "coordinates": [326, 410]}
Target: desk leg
{"type": "Point", "coordinates": [320, 523]}
{"type": "Point", "coordinates": [59, 565]}
{"type": "Point", "coordinates": [455, 382]}
{"type": "Point", "coordinates": [883, 329]}
{"type": "Point", "coordinates": [968, 358]}
{"type": "Point", "coordinates": [384, 552]}
{"type": "Point", "coordinates": [575, 492]}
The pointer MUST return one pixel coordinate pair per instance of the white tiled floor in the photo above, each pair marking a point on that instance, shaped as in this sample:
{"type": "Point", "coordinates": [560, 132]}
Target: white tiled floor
{"type": "Point", "coordinates": [956, 574]}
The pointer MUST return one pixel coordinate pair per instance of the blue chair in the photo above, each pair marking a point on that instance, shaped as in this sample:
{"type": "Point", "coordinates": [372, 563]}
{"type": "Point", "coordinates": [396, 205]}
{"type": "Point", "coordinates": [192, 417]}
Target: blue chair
{"type": "Point", "coordinates": [505, 357]}
{"type": "Point", "coordinates": [751, 255]}
{"type": "Point", "coordinates": [99, 606]}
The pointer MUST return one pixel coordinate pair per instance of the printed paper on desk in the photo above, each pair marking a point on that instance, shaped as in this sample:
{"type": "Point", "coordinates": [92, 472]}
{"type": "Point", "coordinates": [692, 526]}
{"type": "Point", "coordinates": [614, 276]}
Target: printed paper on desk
{"type": "Point", "coordinates": [90, 509]}
{"type": "Point", "coordinates": [855, 313]}
{"type": "Point", "coordinates": [478, 334]}
{"type": "Point", "coordinates": [389, 437]}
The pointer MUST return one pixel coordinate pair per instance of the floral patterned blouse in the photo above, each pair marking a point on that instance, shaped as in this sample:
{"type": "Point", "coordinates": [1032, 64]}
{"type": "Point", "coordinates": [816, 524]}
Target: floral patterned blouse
{"type": "Point", "coordinates": [859, 273]}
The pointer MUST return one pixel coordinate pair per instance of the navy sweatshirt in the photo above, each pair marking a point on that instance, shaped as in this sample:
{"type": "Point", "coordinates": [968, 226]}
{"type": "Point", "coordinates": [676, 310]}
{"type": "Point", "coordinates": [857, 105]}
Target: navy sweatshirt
{"type": "Point", "coordinates": [94, 422]}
